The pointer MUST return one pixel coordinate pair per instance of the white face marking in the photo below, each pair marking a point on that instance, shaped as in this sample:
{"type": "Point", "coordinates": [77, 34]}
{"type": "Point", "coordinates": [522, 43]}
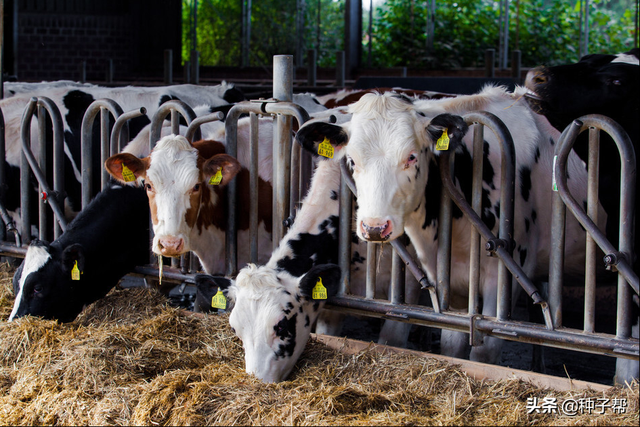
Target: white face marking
{"type": "Point", "coordinates": [260, 305]}
{"type": "Point", "coordinates": [624, 58]}
{"type": "Point", "coordinates": [37, 256]}
{"type": "Point", "coordinates": [173, 172]}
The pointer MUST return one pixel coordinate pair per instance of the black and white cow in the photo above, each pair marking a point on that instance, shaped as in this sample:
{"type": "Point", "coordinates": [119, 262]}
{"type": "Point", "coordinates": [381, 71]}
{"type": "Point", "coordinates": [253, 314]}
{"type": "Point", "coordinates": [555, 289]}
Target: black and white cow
{"type": "Point", "coordinates": [389, 145]}
{"type": "Point", "coordinates": [73, 99]}
{"type": "Point", "coordinates": [597, 84]}
{"type": "Point", "coordinates": [103, 243]}
{"type": "Point", "coordinates": [273, 306]}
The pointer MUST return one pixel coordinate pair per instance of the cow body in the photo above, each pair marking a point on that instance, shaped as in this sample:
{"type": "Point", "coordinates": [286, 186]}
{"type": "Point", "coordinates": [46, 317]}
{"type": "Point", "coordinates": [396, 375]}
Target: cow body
{"type": "Point", "coordinates": [264, 297]}
{"type": "Point", "coordinates": [188, 212]}
{"type": "Point", "coordinates": [390, 147]}
{"type": "Point", "coordinates": [105, 241]}
{"type": "Point", "coordinates": [73, 99]}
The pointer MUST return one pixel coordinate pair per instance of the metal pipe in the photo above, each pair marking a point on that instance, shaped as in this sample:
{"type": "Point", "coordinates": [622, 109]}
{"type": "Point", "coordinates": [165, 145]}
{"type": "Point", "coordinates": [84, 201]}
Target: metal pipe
{"type": "Point", "coordinates": [253, 187]}
{"type": "Point", "coordinates": [161, 114]}
{"type": "Point", "coordinates": [476, 203]}
{"type": "Point", "coordinates": [590, 249]}
{"type": "Point", "coordinates": [120, 129]}
{"type": "Point", "coordinates": [194, 132]}
{"type": "Point", "coordinates": [43, 225]}
{"type": "Point", "coordinates": [372, 256]}
{"type": "Point", "coordinates": [443, 257]}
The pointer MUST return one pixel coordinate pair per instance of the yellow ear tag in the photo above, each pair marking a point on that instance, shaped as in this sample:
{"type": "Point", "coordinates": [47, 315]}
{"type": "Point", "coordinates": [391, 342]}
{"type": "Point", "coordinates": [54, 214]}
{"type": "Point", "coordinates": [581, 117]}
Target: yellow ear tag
{"type": "Point", "coordinates": [159, 269]}
{"type": "Point", "coordinates": [219, 300]}
{"type": "Point", "coordinates": [319, 291]}
{"type": "Point", "coordinates": [217, 178]}
{"type": "Point", "coordinates": [75, 272]}
{"type": "Point", "coordinates": [443, 142]}
{"type": "Point", "coordinates": [127, 175]}
{"type": "Point", "coordinates": [325, 149]}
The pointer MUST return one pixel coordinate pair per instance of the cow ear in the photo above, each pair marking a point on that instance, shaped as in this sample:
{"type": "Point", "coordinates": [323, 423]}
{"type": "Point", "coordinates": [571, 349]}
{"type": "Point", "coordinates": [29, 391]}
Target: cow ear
{"type": "Point", "coordinates": [126, 167]}
{"type": "Point", "coordinates": [325, 275]}
{"type": "Point", "coordinates": [220, 169]}
{"type": "Point", "coordinates": [208, 286]}
{"type": "Point", "coordinates": [323, 140]}
{"type": "Point", "coordinates": [446, 132]}
{"type": "Point", "coordinates": [72, 256]}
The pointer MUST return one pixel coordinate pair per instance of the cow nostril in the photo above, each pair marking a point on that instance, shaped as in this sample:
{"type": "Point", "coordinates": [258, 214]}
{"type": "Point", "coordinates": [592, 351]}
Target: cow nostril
{"type": "Point", "coordinates": [540, 79]}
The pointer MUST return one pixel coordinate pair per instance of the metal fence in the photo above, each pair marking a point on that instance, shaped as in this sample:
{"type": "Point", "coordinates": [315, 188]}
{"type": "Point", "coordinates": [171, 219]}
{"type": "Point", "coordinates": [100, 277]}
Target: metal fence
{"type": "Point", "coordinates": [291, 172]}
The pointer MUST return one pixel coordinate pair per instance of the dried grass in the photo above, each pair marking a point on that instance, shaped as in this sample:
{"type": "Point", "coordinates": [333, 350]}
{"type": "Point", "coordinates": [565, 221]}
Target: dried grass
{"type": "Point", "coordinates": [130, 359]}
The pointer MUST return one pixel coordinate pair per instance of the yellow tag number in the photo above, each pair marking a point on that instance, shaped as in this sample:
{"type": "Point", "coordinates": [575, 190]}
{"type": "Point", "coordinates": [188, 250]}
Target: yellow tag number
{"type": "Point", "coordinates": [219, 300]}
{"type": "Point", "coordinates": [75, 272]}
{"type": "Point", "coordinates": [319, 291]}
{"type": "Point", "coordinates": [127, 175]}
{"type": "Point", "coordinates": [217, 178]}
{"type": "Point", "coordinates": [443, 142]}
{"type": "Point", "coordinates": [325, 149]}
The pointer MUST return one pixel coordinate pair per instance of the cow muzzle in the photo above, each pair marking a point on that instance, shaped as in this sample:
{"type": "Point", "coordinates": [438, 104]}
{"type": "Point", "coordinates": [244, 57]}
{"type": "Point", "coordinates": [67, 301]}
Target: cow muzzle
{"type": "Point", "coordinates": [375, 230]}
{"type": "Point", "coordinates": [171, 246]}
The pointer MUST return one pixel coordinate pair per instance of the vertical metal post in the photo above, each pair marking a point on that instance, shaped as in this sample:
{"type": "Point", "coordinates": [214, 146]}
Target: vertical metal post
{"type": "Point", "coordinates": [344, 237]}
{"type": "Point", "coordinates": [340, 67]}
{"type": "Point", "coordinates": [372, 257]}
{"type": "Point", "coordinates": [168, 67]}
{"type": "Point", "coordinates": [443, 257]}
{"type": "Point", "coordinates": [104, 145]}
{"type": "Point", "coordinates": [489, 63]}
{"type": "Point", "coordinates": [253, 187]}
{"type": "Point", "coordinates": [516, 65]}
{"type": "Point", "coordinates": [195, 67]}
{"type": "Point", "coordinates": [312, 64]}
{"type": "Point", "coordinates": [592, 211]}
{"type": "Point", "coordinates": [397, 279]}
{"type": "Point", "coordinates": [282, 91]}
{"type": "Point", "coordinates": [476, 204]}
{"type": "Point", "coordinates": [42, 138]}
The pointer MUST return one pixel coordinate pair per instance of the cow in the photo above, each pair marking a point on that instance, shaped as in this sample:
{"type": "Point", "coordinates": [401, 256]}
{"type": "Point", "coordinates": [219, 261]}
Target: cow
{"type": "Point", "coordinates": [390, 147]}
{"type": "Point", "coordinates": [273, 307]}
{"type": "Point", "coordinates": [188, 209]}
{"type": "Point", "coordinates": [597, 84]}
{"type": "Point", "coordinates": [73, 99]}
{"type": "Point", "coordinates": [102, 244]}
{"type": "Point", "coordinates": [346, 97]}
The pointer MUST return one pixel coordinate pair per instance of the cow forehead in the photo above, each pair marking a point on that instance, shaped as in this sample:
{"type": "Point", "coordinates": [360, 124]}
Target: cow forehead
{"type": "Point", "coordinates": [173, 162]}
{"type": "Point", "coordinates": [35, 259]}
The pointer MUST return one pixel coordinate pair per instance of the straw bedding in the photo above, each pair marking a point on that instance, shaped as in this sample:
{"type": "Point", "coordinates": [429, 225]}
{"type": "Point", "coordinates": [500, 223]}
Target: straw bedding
{"type": "Point", "coordinates": [131, 359]}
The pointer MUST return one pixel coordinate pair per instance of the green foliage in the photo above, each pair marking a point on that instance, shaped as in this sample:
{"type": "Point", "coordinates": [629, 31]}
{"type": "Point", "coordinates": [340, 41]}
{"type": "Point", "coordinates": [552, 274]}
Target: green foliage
{"type": "Point", "coordinates": [545, 31]}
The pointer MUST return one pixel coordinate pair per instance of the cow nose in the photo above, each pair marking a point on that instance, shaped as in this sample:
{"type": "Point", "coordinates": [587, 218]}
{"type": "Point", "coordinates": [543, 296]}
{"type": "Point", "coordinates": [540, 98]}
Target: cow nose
{"type": "Point", "coordinates": [375, 230]}
{"type": "Point", "coordinates": [171, 246]}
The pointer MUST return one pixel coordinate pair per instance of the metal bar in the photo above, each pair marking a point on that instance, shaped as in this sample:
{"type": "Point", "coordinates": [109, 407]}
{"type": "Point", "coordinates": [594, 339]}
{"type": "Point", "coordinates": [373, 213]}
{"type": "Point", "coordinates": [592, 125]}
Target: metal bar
{"type": "Point", "coordinates": [372, 256]}
{"type": "Point", "coordinates": [476, 203]}
{"type": "Point", "coordinates": [443, 257]}
{"type": "Point", "coordinates": [194, 132]}
{"type": "Point", "coordinates": [344, 237]}
{"type": "Point", "coordinates": [397, 279]}
{"type": "Point", "coordinates": [253, 187]}
{"type": "Point", "coordinates": [120, 128]}
{"type": "Point", "coordinates": [104, 145]}
{"type": "Point", "coordinates": [161, 114]}
{"type": "Point", "coordinates": [590, 249]}
{"type": "Point", "coordinates": [43, 226]}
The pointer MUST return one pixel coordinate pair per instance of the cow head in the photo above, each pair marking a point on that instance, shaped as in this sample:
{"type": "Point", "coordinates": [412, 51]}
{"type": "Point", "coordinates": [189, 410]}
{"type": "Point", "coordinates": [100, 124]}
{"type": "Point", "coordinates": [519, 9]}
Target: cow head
{"type": "Point", "coordinates": [43, 283]}
{"type": "Point", "coordinates": [183, 182]}
{"type": "Point", "coordinates": [272, 313]}
{"type": "Point", "coordinates": [388, 146]}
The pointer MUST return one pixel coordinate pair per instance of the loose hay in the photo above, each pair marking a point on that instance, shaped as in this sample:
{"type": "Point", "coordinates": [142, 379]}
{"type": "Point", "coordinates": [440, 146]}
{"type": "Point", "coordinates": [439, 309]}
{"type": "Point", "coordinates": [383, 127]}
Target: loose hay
{"type": "Point", "coordinates": [131, 359]}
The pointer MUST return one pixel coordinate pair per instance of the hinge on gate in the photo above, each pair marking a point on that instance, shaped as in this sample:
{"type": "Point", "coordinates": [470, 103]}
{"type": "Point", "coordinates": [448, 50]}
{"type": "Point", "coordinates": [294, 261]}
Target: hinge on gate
{"type": "Point", "coordinates": [611, 260]}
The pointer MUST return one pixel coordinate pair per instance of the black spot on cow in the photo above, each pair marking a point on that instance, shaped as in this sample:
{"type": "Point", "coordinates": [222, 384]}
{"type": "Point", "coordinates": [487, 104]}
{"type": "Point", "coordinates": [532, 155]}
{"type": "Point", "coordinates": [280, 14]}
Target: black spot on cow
{"type": "Point", "coordinates": [551, 141]}
{"type": "Point", "coordinates": [526, 225]}
{"type": "Point", "coordinates": [536, 156]}
{"type": "Point", "coordinates": [307, 321]}
{"type": "Point", "coordinates": [534, 216]}
{"type": "Point", "coordinates": [417, 172]}
{"type": "Point", "coordinates": [417, 207]}
{"type": "Point", "coordinates": [285, 329]}
{"type": "Point", "coordinates": [316, 306]}
{"type": "Point", "coordinates": [233, 95]}
{"type": "Point", "coordinates": [334, 195]}
{"type": "Point", "coordinates": [357, 258]}
{"type": "Point", "coordinates": [487, 168]}
{"type": "Point", "coordinates": [409, 179]}
{"type": "Point", "coordinates": [523, 255]}
{"type": "Point", "coordinates": [525, 182]}
{"type": "Point", "coordinates": [312, 249]}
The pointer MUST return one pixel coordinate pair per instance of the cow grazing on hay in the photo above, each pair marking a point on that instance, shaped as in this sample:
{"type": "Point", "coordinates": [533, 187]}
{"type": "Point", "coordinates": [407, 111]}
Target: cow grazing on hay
{"type": "Point", "coordinates": [390, 147]}
{"type": "Point", "coordinates": [274, 307]}
{"type": "Point", "coordinates": [102, 244]}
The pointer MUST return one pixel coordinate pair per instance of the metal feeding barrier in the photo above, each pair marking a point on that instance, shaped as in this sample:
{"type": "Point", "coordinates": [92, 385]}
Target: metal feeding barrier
{"type": "Point", "coordinates": [291, 172]}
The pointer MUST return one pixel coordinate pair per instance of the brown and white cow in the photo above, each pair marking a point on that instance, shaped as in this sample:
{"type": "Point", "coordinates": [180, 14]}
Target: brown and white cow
{"type": "Point", "coordinates": [187, 202]}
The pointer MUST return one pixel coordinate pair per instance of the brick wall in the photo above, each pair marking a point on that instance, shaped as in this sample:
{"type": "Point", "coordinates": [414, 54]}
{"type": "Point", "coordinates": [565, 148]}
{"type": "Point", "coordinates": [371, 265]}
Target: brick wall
{"type": "Point", "coordinates": [52, 46]}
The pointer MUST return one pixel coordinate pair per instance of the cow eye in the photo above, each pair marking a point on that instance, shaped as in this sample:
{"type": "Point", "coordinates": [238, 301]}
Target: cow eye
{"type": "Point", "coordinates": [410, 160]}
{"type": "Point", "coordinates": [37, 289]}
{"type": "Point", "coordinates": [196, 188]}
{"type": "Point", "coordinates": [281, 328]}
{"type": "Point", "coordinates": [351, 163]}
{"type": "Point", "coordinates": [617, 82]}
{"type": "Point", "coordinates": [148, 187]}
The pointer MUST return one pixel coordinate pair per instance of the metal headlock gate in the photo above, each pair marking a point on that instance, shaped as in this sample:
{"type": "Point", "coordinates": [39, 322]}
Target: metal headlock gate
{"type": "Point", "coordinates": [291, 172]}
